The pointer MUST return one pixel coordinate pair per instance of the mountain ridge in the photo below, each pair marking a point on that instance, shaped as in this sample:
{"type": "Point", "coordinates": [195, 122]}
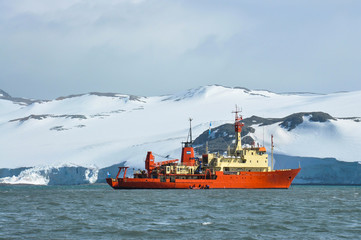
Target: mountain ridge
{"type": "Point", "coordinates": [7, 96]}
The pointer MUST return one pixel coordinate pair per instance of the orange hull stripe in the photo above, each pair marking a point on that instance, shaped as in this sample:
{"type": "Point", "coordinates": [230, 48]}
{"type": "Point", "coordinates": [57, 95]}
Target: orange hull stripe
{"type": "Point", "coordinates": [275, 179]}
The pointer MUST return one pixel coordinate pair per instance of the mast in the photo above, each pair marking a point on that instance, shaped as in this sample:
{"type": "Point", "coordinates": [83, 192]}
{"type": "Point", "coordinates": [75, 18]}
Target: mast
{"type": "Point", "coordinates": [189, 142]}
{"type": "Point", "coordinates": [238, 124]}
{"type": "Point", "coordinates": [209, 134]}
{"type": "Point", "coordinates": [272, 152]}
{"type": "Point", "coordinates": [190, 130]}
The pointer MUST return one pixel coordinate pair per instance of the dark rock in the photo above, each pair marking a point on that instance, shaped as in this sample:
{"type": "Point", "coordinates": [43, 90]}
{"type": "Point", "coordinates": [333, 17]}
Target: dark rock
{"type": "Point", "coordinates": [113, 95]}
{"type": "Point", "coordinates": [43, 116]}
{"type": "Point", "coordinates": [220, 138]}
{"type": "Point", "coordinates": [21, 101]}
{"type": "Point", "coordinates": [113, 170]}
{"type": "Point", "coordinates": [4, 94]}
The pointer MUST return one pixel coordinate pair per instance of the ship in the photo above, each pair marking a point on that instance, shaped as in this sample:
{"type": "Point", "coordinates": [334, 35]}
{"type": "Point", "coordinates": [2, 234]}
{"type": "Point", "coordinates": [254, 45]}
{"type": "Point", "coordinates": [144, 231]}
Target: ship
{"type": "Point", "coordinates": [242, 167]}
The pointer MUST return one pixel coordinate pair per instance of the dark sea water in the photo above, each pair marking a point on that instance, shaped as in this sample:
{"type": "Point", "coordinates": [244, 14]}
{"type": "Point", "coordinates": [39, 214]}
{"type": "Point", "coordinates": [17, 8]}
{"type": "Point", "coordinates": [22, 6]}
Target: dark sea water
{"type": "Point", "coordinates": [99, 212]}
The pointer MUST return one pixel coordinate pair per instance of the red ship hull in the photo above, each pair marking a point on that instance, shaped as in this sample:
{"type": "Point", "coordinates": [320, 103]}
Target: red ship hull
{"type": "Point", "coordinates": [246, 180]}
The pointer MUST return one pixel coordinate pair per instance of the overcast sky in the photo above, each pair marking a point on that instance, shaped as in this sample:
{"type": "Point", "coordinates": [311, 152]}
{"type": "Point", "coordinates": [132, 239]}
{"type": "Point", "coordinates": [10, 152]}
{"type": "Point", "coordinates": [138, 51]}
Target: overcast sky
{"type": "Point", "coordinates": [55, 48]}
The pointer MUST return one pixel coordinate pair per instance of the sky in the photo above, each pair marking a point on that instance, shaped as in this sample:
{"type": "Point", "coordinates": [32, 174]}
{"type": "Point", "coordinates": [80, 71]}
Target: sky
{"type": "Point", "coordinates": [144, 47]}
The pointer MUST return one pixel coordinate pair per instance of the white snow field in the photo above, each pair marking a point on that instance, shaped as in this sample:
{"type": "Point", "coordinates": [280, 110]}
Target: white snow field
{"type": "Point", "coordinates": [98, 130]}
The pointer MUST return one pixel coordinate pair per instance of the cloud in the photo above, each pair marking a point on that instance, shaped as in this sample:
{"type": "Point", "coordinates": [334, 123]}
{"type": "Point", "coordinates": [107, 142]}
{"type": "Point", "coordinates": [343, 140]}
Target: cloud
{"type": "Point", "coordinates": [130, 26]}
{"type": "Point", "coordinates": [57, 48]}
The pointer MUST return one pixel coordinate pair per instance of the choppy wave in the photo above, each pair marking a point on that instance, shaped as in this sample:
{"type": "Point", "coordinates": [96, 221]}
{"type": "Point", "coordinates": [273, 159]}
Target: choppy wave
{"type": "Point", "coordinates": [99, 212]}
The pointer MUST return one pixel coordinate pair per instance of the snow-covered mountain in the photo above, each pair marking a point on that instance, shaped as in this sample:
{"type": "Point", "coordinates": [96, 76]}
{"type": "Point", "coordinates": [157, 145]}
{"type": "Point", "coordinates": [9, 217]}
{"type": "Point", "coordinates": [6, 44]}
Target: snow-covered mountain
{"type": "Point", "coordinates": [90, 132]}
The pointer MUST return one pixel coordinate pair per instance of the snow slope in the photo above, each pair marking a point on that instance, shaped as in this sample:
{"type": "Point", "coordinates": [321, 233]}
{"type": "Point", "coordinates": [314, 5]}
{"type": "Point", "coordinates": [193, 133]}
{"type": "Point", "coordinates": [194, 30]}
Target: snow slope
{"type": "Point", "coordinates": [99, 130]}
{"type": "Point", "coordinates": [338, 139]}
